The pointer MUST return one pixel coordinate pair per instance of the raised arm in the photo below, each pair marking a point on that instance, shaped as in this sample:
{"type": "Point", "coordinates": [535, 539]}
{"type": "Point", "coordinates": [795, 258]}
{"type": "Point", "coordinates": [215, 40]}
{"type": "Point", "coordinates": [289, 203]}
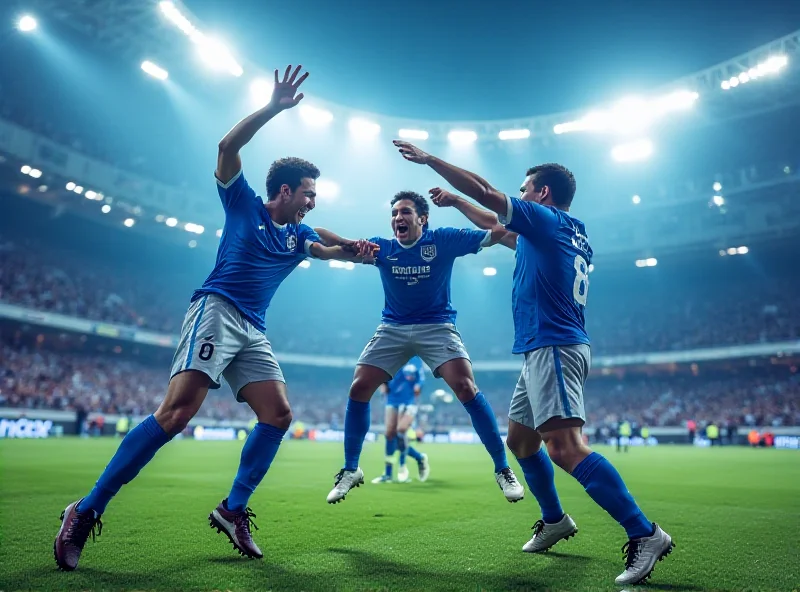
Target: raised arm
{"type": "Point", "coordinates": [229, 163]}
{"type": "Point", "coordinates": [481, 218]}
{"type": "Point", "coordinates": [468, 183]}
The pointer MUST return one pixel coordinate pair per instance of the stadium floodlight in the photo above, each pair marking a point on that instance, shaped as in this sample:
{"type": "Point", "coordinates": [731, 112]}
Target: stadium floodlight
{"type": "Point", "coordinates": [105, 209]}
{"type": "Point", "coordinates": [154, 71]}
{"type": "Point", "coordinates": [35, 173]}
{"type": "Point", "coordinates": [213, 52]}
{"type": "Point", "coordinates": [327, 190]}
{"type": "Point", "coordinates": [192, 244]}
{"type": "Point", "coordinates": [362, 128]}
{"type": "Point", "coordinates": [315, 116]}
{"type": "Point", "coordinates": [591, 267]}
{"type": "Point", "coordinates": [744, 78]}
{"type": "Point", "coordinates": [731, 250]}
{"type": "Point", "coordinates": [78, 189]}
{"type": "Point", "coordinates": [462, 137]}
{"type": "Point", "coordinates": [651, 262]}
{"type": "Point", "coordinates": [489, 271]}
{"type": "Point", "coordinates": [412, 134]}
{"type": "Point", "coordinates": [734, 82]}
{"type": "Point", "coordinates": [171, 222]}
{"type": "Point", "coordinates": [25, 170]}
{"type": "Point", "coordinates": [192, 227]}
{"type": "Point", "coordinates": [90, 194]}
{"type": "Point", "coordinates": [633, 151]}
{"type": "Point", "coordinates": [219, 232]}
{"type": "Point", "coordinates": [305, 264]}
{"type": "Point", "coordinates": [261, 91]}
{"type": "Point", "coordinates": [636, 200]}
{"type": "Point", "coordinates": [42, 188]}
{"type": "Point", "coordinates": [725, 85]}
{"type": "Point", "coordinates": [27, 23]}
{"type": "Point", "coordinates": [514, 134]}
{"type": "Point", "coordinates": [129, 222]}
{"type": "Point", "coordinates": [160, 218]}
{"type": "Point", "coordinates": [348, 265]}
{"type": "Point", "coordinates": [70, 186]}
{"type": "Point", "coordinates": [722, 252]}
{"type": "Point", "coordinates": [719, 200]}
{"type": "Point", "coordinates": [742, 251]}
{"type": "Point", "coordinates": [717, 186]}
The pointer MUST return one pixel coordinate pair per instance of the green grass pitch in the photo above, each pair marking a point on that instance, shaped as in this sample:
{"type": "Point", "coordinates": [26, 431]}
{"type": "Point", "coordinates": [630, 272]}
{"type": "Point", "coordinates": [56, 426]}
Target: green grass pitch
{"type": "Point", "coordinates": [734, 513]}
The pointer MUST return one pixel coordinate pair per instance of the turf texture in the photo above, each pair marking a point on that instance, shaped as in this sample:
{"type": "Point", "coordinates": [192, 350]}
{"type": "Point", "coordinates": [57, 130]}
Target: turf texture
{"type": "Point", "coordinates": [733, 512]}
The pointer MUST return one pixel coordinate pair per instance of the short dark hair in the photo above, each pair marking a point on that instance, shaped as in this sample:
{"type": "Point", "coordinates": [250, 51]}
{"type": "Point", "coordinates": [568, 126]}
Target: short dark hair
{"type": "Point", "coordinates": [420, 203]}
{"type": "Point", "coordinates": [558, 178]}
{"type": "Point", "coordinates": [289, 171]}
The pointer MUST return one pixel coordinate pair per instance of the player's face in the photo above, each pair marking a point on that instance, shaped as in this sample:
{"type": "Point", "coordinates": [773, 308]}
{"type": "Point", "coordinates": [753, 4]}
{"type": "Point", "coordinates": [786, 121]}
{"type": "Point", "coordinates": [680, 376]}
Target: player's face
{"type": "Point", "coordinates": [406, 224]}
{"type": "Point", "coordinates": [303, 200]}
{"type": "Point", "coordinates": [527, 192]}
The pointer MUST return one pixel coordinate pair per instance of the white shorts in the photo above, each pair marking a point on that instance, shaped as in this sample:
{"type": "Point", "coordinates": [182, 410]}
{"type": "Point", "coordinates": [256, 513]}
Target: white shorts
{"type": "Point", "coordinates": [404, 409]}
{"type": "Point", "coordinates": [551, 385]}
{"type": "Point", "coordinates": [217, 340]}
{"type": "Point", "coordinates": [394, 345]}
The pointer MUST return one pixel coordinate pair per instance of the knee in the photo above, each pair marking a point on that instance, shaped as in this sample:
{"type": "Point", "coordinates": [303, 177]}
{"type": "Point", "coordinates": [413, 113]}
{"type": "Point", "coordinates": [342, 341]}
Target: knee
{"type": "Point", "coordinates": [361, 389]}
{"type": "Point", "coordinates": [281, 417]}
{"type": "Point", "coordinates": [464, 389]}
{"type": "Point", "coordinates": [521, 446]}
{"type": "Point", "coordinates": [566, 452]}
{"type": "Point", "coordinates": [390, 434]}
{"type": "Point", "coordinates": [174, 419]}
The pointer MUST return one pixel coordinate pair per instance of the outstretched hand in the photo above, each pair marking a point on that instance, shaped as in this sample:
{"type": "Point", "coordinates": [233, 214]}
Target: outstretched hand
{"type": "Point", "coordinates": [366, 250]}
{"type": "Point", "coordinates": [411, 152]}
{"type": "Point", "coordinates": [283, 94]}
{"type": "Point", "coordinates": [442, 198]}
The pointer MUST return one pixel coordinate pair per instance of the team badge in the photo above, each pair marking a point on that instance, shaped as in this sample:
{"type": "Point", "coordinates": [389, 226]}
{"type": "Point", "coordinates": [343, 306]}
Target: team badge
{"type": "Point", "coordinates": [291, 242]}
{"type": "Point", "coordinates": [428, 252]}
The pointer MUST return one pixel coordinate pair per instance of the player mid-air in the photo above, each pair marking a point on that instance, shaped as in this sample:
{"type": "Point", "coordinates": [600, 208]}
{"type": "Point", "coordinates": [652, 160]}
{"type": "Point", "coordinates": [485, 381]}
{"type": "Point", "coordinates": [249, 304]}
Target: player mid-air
{"type": "Point", "coordinates": [402, 394]}
{"type": "Point", "coordinates": [223, 333]}
{"type": "Point", "coordinates": [418, 319]}
{"type": "Point", "coordinates": [549, 293]}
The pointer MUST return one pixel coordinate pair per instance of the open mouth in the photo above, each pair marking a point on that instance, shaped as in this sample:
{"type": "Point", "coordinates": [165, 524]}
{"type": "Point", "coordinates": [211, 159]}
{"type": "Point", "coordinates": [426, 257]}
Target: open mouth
{"type": "Point", "coordinates": [401, 229]}
{"type": "Point", "coordinates": [302, 213]}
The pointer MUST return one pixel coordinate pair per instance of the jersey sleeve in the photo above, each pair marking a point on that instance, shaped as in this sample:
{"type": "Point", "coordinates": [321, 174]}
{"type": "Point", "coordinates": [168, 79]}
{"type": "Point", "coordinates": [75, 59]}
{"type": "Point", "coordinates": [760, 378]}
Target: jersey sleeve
{"type": "Point", "coordinates": [462, 241]}
{"type": "Point", "coordinates": [307, 236]}
{"type": "Point", "coordinates": [236, 193]}
{"type": "Point", "coordinates": [384, 248]}
{"type": "Point", "coordinates": [528, 218]}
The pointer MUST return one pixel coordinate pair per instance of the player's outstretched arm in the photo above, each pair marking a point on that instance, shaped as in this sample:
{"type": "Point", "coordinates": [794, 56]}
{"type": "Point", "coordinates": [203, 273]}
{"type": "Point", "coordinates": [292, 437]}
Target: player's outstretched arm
{"type": "Point", "coordinates": [334, 246]}
{"type": "Point", "coordinates": [467, 183]}
{"type": "Point", "coordinates": [284, 96]}
{"type": "Point", "coordinates": [480, 217]}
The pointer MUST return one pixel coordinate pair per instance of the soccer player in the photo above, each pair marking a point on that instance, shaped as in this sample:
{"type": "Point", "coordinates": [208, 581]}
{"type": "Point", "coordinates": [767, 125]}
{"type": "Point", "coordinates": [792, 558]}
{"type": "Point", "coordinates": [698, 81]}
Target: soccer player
{"type": "Point", "coordinates": [418, 319]}
{"type": "Point", "coordinates": [549, 293]}
{"type": "Point", "coordinates": [402, 393]}
{"type": "Point", "coordinates": [223, 333]}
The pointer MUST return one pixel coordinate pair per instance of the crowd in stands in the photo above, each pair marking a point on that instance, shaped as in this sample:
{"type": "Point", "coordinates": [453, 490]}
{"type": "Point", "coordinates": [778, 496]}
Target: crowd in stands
{"type": "Point", "coordinates": [34, 378]}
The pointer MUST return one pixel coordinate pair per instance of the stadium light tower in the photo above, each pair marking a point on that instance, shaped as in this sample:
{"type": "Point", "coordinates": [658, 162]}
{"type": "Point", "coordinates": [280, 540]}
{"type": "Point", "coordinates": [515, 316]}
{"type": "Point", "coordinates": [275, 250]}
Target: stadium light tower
{"type": "Point", "coordinates": [154, 71]}
{"type": "Point", "coordinates": [27, 23]}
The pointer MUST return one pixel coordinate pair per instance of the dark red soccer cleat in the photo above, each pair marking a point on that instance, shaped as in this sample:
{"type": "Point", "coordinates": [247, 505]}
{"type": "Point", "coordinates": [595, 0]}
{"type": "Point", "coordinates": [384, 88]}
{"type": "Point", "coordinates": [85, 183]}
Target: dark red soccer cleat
{"type": "Point", "coordinates": [75, 530]}
{"type": "Point", "coordinates": [237, 526]}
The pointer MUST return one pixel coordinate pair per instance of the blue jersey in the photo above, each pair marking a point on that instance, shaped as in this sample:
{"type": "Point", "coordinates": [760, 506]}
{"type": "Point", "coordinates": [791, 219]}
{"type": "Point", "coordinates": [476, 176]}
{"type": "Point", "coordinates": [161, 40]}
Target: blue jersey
{"type": "Point", "coordinates": [551, 277]}
{"type": "Point", "coordinates": [416, 278]}
{"type": "Point", "coordinates": [402, 386]}
{"type": "Point", "coordinates": [255, 254]}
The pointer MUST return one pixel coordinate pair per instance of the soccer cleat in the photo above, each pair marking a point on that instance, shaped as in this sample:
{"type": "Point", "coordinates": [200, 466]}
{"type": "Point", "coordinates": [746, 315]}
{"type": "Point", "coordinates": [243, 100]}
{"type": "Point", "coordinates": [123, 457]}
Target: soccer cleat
{"type": "Point", "coordinates": [75, 529]}
{"type": "Point", "coordinates": [382, 479]}
{"type": "Point", "coordinates": [237, 526]}
{"type": "Point", "coordinates": [424, 468]}
{"type": "Point", "coordinates": [545, 535]}
{"type": "Point", "coordinates": [402, 475]}
{"type": "Point", "coordinates": [641, 556]}
{"type": "Point", "coordinates": [507, 481]}
{"type": "Point", "coordinates": [344, 482]}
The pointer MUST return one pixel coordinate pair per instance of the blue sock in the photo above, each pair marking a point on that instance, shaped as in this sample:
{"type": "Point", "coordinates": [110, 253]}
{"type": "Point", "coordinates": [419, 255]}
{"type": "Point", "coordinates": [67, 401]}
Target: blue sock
{"type": "Point", "coordinates": [356, 426]}
{"type": "Point", "coordinates": [136, 450]}
{"type": "Point", "coordinates": [391, 447]}
{"type": "Point", "coordinates": [414, 453]}
{"type": "Point", "coordinates": [540, 477]}
{"type": "Point", "coordinates": [605, 486]}
{"type": "Point", "coordinates": [258, 452]}
{"type": "Point", "coordinates": [485, 424]}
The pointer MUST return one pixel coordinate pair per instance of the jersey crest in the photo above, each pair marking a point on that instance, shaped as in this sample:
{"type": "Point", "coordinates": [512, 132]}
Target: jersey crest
{"type": "Point", "coordinates": [291, 242]}
{"type": "Point", "coordinates": [428, 252]}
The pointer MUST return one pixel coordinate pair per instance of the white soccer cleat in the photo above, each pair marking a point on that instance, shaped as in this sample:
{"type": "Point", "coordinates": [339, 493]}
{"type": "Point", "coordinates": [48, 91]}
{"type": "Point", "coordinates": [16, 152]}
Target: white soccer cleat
{"type": "Point", "coordinates": [382, 479]}
{"type": "Point", "coordinates": [402, 474]}
{"type": "Point", "coordinates": [641, 556]}
{"type": "Point", "coordinates": [424, 468]}
{"type": "Point", "coordinates": [345, 481]}
{"type": "Point", "coordinates": [507, 481]}
{"type": "Point", "coordinates": [545, 536]}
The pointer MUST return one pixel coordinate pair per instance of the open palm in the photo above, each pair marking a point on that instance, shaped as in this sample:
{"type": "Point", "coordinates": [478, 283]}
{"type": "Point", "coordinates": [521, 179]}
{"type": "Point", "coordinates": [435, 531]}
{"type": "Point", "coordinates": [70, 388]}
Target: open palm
{"type": "Point", "coordinates": [284, 94]}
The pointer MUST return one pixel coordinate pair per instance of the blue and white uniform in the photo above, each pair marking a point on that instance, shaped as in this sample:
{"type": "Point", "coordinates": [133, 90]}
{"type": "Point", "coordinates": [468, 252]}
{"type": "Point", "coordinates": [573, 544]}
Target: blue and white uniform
{"type": "Point", "coordinates": [223, 332]}
{"type": "Point", "coordinates": [403, 387]}
{"type": "Point", "coordinates": [418, 316]}
{"type": "Point", "coordinates": [550, 287]}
